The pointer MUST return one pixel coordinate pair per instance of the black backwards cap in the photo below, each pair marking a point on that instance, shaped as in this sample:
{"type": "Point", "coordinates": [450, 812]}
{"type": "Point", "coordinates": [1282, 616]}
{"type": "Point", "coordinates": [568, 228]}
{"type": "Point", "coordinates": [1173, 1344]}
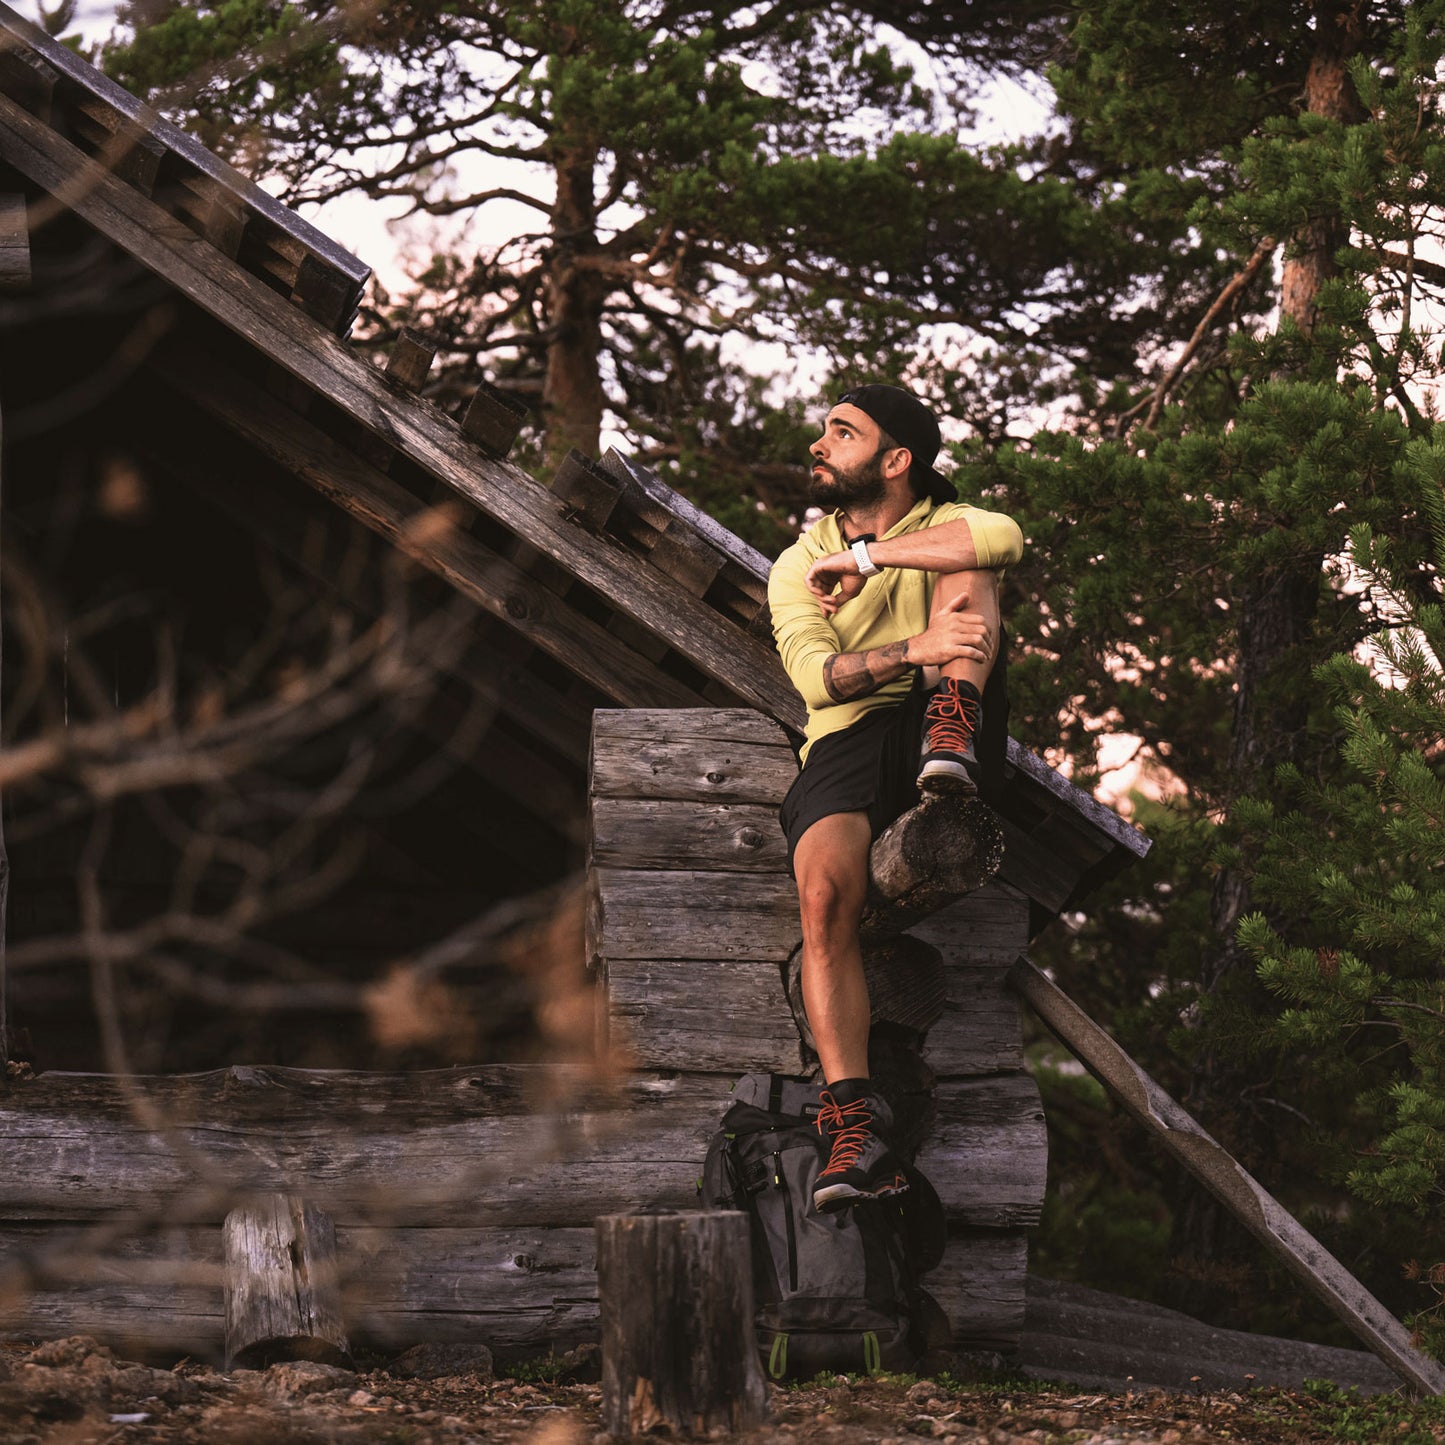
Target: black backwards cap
{"type": "Point", "coordinates": [911, 425]}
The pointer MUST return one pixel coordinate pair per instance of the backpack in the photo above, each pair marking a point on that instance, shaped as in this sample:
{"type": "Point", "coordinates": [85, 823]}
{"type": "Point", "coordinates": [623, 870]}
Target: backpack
{"type": "Point", "coordinates": [833, 1291]}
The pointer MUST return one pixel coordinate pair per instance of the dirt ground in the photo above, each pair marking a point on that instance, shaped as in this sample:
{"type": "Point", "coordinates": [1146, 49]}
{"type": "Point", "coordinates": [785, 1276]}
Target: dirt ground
{"type": "Point", "coordinates": [75, 1392]}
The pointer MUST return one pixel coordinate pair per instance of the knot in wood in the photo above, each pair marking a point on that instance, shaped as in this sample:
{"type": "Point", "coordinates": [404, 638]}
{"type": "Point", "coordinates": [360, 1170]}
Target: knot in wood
{"type": "Point", "coordinates": [716, 778]}
{"type": "Point", "coordinates": [749, 838]}
{"type": "Point", "coordinates": [516, 607]}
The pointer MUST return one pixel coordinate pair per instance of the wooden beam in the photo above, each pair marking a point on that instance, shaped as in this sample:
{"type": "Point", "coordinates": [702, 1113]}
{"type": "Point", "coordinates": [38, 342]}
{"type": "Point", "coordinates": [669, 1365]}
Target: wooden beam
{"type": "Point", "coordinates": [522, 1289]}
{"type": "Point", "coordinates": [247, 307]}
{"type": "Point", "coordinates": [14, 244]}
{"type": "Point", "coordinates": [440, 1148]}
{"type": "Point", "coordinates": [388, 509]}
{"type": "Point", "coordinates": [1242, 1195]}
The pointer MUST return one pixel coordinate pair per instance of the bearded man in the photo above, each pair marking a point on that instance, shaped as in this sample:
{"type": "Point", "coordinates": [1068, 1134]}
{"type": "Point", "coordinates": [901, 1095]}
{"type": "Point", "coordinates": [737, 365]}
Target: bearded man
{"type": "Point", "coordinates": [886, 615]}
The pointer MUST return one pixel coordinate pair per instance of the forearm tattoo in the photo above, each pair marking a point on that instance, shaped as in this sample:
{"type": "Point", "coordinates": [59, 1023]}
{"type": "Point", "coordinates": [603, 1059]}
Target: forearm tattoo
{"type": "Point", "coordinates": [847, 675]}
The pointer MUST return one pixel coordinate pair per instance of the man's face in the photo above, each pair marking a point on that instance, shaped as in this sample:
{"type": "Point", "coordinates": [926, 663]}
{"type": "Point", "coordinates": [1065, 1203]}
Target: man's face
{"type": "Point", "coordinates": [847, 468]}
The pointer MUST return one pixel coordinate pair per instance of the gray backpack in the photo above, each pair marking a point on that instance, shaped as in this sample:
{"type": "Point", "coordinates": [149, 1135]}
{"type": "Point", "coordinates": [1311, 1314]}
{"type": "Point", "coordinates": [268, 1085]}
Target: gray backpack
{"type": "Point", "coordinates": [835, 1292]}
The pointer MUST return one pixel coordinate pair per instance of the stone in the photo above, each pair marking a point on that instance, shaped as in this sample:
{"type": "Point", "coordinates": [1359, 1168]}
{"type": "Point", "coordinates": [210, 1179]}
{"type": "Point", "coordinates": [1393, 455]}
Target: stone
{"type": "Point", "coordinates": [437, 1361]}
{"type": "Point", "coordinates": [295, 1378]}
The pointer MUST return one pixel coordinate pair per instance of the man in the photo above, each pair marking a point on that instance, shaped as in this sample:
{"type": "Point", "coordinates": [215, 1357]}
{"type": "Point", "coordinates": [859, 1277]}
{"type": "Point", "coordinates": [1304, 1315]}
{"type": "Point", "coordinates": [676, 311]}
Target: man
{"type": "Point", "coordinates": [893, 593]}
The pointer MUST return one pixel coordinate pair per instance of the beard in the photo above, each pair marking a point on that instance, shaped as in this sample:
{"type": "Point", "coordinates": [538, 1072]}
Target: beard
{"type": "Point", "coordinates": [860, 486]}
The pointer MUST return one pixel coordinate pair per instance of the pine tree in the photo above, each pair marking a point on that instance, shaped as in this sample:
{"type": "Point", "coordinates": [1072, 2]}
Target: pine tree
{"type": "Point", "coordinates": [1353, 871]}
{"type": "Point", "coordinates": [1184, 579]}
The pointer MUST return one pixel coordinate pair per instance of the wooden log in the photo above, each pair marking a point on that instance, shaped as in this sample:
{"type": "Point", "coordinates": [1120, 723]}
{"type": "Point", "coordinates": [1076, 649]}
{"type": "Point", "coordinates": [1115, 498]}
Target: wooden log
{"type": "Point", "coordinates": [987, 1153]}
{"type": "Point", "coordinates": [212, 212]}
{"type": "Point", "coordinates": [283, 1298]}
{"type": "Point", "coordinates": [907, 987]}
{"type": "Point", "coordinates": [676, 914]}
{"type": "Point", "coordinates": [933, 854]}
{"type": "Point", "coordinates": [410, 360]}
{"type": "Point", "coordinates": [438, 1148]}
{"type": "Point", "coordinates": [521, 1290]}
{"type": "Point", "coordinates": [980, 1285]}
{"type": "Point", "coordinates": [723, 1015]}
{"type": "Point", "coordinates": [324, 294]}
{"type": "Point", "coordinates": [727, 771]}
{"type": "Point", "coordinates": [129, 151]}
{"type": "Point", "coordinates": [704, 836]}
{"type": "Point", "coordinates": [493, 419]}
{"type": "Point", "coordinates": [14, 244]}
{"type": "Point", "coordinates": [687, 557]}
{"type": "Point", "coordinates": [1242, 1195]}
{"type": "Point", "coordinates": [678, 1343]}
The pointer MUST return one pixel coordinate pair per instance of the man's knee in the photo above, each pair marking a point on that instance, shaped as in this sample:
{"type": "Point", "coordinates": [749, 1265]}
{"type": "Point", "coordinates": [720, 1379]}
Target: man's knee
{"type": "Point", "coordinates": [831, 866]}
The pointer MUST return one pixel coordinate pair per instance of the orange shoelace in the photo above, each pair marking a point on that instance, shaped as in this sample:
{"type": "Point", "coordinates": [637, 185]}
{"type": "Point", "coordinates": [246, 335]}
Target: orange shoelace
{"type": "Point", "coordinates": [850, 1121]}
{"type": "Point", "coordinates": [951, 719]}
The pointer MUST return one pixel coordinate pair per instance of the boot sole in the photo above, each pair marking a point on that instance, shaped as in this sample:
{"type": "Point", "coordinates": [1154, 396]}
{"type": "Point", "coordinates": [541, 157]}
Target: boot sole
{"type": "Point", "coordinates": [838, 1197]}
{"type": "Point", "coordinates": [951, 778]}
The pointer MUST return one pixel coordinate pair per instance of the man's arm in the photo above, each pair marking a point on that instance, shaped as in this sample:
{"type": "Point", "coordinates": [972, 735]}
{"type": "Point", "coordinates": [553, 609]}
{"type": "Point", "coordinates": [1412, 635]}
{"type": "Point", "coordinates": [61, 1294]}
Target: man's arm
{"type": "Point", "coordinates": [988, 540]}
{"type": "Point", "coordinates": [951, 636]}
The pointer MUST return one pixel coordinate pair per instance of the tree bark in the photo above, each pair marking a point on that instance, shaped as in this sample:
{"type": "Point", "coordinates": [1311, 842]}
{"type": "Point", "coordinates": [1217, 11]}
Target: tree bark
{"type": "Point", "coordinates": [572, 395]}
{"type": "Point", "coordinates": [678, 1344]}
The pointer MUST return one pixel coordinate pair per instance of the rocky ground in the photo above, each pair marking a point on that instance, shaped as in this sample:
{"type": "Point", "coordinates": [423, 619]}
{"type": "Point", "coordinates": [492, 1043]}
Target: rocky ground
{"type": "Point", "coordinates": [75, 1392]}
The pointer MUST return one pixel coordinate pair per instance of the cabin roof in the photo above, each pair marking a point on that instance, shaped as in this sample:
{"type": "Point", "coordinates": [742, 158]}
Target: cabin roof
{"type": "Point", "coordinates": [640, 597]}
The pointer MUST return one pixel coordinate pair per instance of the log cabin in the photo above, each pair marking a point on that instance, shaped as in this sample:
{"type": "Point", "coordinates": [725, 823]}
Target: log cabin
{"type": "Point", "coordinates": [213, 505]}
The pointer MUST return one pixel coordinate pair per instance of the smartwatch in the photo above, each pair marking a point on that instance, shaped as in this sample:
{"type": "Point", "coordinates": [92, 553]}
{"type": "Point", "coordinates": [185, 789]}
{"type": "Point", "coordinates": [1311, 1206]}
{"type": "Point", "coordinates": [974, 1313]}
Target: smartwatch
{"type": "Point", "coordinates": [867, 567]}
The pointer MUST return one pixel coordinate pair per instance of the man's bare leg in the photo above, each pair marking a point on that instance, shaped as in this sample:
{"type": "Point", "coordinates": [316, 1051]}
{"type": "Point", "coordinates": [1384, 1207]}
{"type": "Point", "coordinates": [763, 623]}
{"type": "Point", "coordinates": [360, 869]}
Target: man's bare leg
{"type": "Point", "coordinates": [831, 866]}
{"type": "Point", "coordinates": [953, 710]}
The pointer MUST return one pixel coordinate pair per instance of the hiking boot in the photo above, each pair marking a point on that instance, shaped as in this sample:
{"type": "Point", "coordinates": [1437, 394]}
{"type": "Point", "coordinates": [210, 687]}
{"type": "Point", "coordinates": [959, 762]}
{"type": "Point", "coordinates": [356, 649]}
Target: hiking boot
{"type": "Point", "coordinates": [860, 1165]}
{"type": "Point", "coordinates": [948, 728]}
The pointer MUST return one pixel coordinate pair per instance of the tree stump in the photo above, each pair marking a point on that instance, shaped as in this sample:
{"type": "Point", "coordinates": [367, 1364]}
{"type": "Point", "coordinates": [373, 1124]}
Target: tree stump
{"type": "Point", "coordinates": [283, 1299]}
{"type": "Point", "coordinates": [678, 1342]}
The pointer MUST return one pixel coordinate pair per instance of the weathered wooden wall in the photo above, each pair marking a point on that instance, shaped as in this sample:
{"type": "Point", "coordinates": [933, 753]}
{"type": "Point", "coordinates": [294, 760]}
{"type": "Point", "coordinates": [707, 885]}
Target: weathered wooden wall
{"type": "Point", "coordinates": [692, 914]}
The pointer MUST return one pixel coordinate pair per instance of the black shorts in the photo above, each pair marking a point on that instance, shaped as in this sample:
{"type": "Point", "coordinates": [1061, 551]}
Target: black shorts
{"type": "Point", "coordinates": [871, 767]}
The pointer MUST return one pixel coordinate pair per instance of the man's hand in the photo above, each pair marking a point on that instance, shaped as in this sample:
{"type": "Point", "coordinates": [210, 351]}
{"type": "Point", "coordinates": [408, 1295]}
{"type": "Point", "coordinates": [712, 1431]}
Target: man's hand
{"type": "Point", "coordinates": [953, 635]}
{"type": "Point", "coordinates": [834, 580]}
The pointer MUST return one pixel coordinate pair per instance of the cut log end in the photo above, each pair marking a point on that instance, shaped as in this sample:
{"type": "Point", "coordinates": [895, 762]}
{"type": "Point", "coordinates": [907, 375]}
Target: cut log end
{"type": "Point", "coordinates": [940, 850]}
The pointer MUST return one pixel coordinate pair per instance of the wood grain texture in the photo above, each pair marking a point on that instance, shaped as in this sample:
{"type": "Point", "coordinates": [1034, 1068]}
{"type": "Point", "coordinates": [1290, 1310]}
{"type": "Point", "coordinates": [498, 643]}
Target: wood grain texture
{"type": "Point", "coordinates": [724, 1016]}
{"type": "Point", "coordinates": [674, 914]}
{"type": "Point", "coordinates": [987, 1153]}
{"type": "Point", "coordinates": [706, 836]}
{"type": "Point", "coordinates": [282, 1291]}
{"type": "Point", "coordinates": [405, 1148]}
{"type": "Point", "coordinates": [521, 1291]}
{"type": "Point", "coordinates": [679, 1351]}
{"type": "Point", "coordinates": [980, 1284]}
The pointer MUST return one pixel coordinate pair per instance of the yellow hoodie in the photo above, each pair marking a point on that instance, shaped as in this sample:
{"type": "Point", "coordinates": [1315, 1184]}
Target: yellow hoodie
{"type": "Point", "coordinates": [892, 605]}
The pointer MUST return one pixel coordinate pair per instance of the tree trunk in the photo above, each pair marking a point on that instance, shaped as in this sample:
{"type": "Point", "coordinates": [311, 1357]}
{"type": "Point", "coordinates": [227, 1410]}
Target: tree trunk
{"type": "Point", "coordinates": [572, 396]}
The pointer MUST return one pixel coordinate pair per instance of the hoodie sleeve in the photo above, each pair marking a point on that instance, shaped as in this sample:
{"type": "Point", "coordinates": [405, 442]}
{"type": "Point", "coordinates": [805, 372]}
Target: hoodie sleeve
{"type": "Point", "coordinates": [805, 637]}
{"type": "Point", "coordinates": [996, 537]}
